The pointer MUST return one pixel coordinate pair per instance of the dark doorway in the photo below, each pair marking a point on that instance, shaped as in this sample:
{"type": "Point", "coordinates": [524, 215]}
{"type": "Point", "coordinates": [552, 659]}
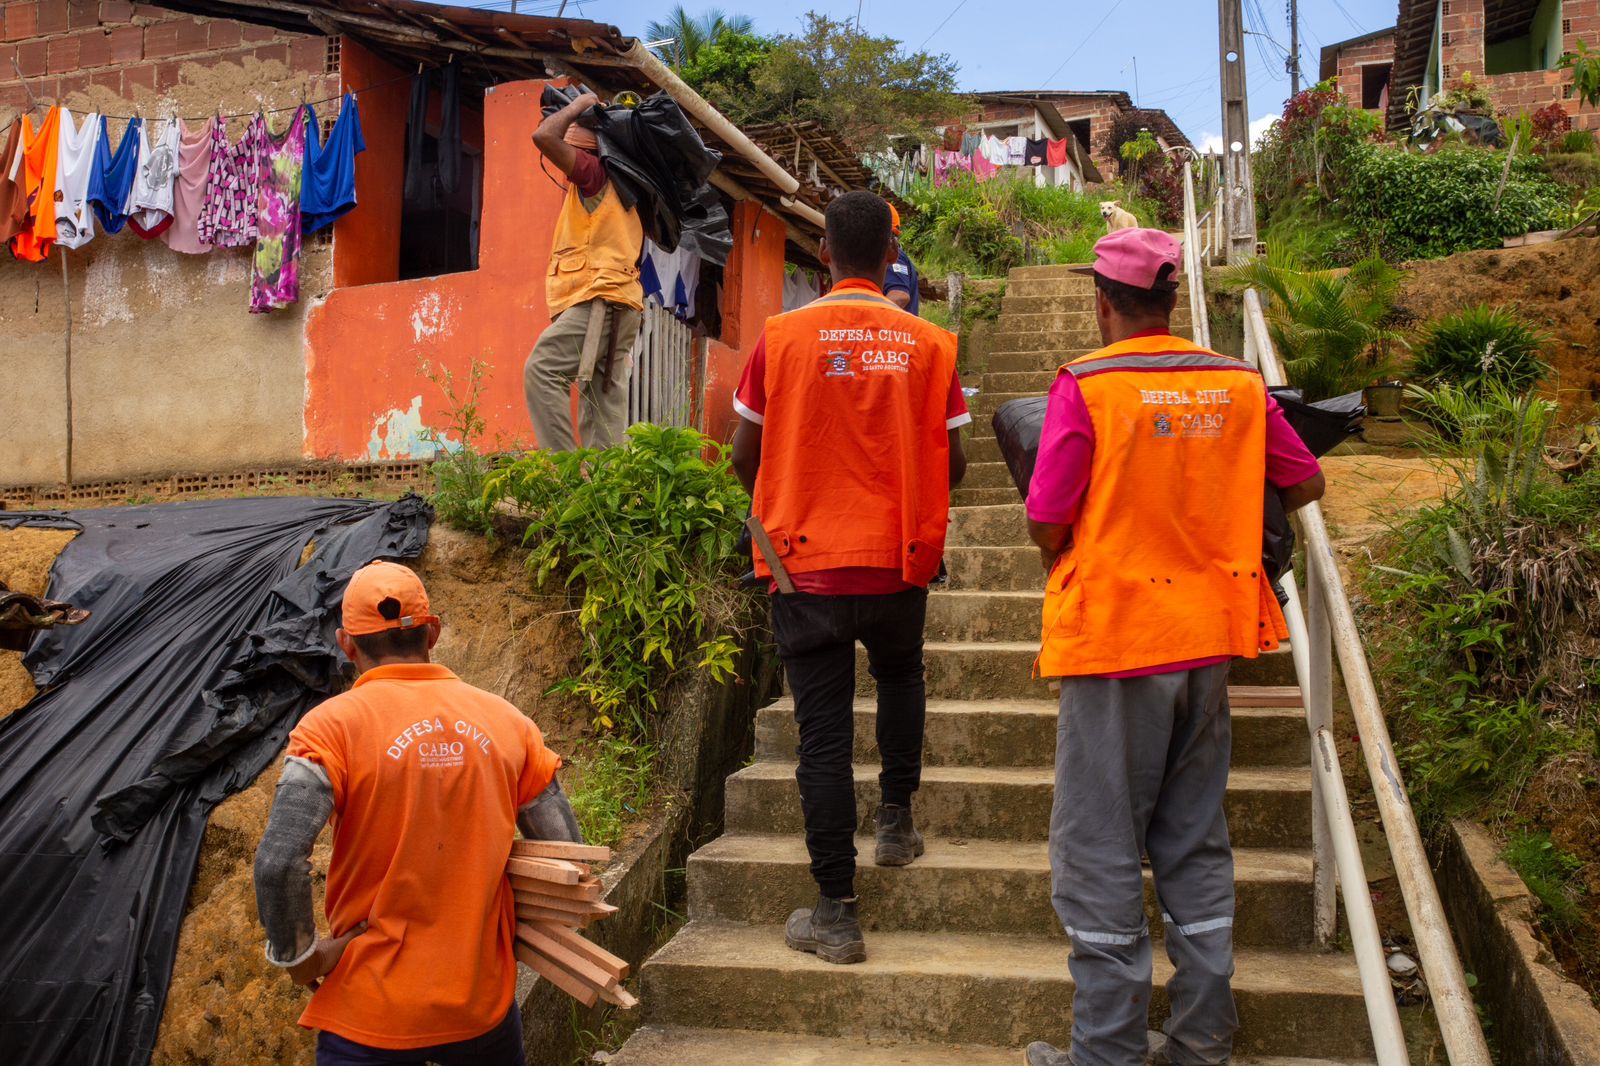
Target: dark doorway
{"type": "Point", "coordinates": [439, 229]}
{"type": "Point", "coordinates": [1374, 85]}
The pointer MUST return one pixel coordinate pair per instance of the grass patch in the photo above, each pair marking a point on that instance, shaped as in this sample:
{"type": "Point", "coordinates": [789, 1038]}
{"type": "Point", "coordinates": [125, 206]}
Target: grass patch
{"type": "Point", "coordinates": [614, 787]}
{"type": "Point", "coordinates": [1549, 871]}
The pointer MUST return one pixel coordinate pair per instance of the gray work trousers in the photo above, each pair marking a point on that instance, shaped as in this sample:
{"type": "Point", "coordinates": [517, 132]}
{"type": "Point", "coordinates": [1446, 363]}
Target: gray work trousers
{"type": "Point", "coordinates": [554, 365]}
{"type": "Point", "coordinates": [1142, 765]}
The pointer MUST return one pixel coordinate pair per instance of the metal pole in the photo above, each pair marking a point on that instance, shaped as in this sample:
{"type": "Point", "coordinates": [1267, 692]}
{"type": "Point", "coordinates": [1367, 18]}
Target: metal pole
{"type": "Point", "coordinates": [1441, 965]}
{"type": "Point", "coordinates": [1294, 47]}
{"type": "Point", "coordinates": [1238, 190]}
{"type": "Point", "coordinates": [1319, 715]}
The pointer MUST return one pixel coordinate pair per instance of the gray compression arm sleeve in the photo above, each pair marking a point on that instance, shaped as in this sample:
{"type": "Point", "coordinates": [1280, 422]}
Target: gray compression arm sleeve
{"type": "Point", "coordinates": [300, 809]}
{"type": "Point", "coordinates": [550, 817]}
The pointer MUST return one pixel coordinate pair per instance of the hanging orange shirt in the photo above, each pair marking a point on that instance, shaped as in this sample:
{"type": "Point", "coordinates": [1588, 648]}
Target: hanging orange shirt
{"type": "Point", "coordinates": [428, 773]}
{"type": "Point", "coordinates": [36, 173]}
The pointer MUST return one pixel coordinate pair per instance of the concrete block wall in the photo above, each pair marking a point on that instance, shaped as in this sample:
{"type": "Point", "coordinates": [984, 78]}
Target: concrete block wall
{"type": "Point", "coordinates": [67, 47]}
{"type": "Point", "coordinates": [1464, 22]}
{"type": "Point", "coordinates": [1353, 57]}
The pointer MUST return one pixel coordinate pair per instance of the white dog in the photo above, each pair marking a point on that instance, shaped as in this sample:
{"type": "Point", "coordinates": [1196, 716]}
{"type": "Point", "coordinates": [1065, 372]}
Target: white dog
{"type": "Point", "coordinates": [1117, 218]}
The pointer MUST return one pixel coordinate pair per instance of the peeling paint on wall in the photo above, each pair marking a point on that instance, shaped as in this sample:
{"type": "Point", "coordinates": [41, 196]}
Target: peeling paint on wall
{"type": "Point", "coordinates": [401, 434]}
{"type": "Point", "coordinates": [431, 317]}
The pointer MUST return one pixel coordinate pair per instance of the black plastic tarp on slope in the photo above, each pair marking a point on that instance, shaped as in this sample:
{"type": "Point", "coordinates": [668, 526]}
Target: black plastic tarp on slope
{"type": "Point", "coordinates": [206, 644]}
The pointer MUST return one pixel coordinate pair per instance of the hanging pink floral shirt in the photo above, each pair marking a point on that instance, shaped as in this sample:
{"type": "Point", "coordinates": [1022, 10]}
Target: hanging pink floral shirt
{"type": "Point", "coordinates": [275, 272]}
{"type": "Point", "coordinates": [233, 184]}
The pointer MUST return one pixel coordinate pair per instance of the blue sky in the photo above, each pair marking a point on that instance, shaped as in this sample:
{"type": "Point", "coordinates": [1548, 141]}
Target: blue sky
{"type": "Point", "coordinates": [1023, 44]}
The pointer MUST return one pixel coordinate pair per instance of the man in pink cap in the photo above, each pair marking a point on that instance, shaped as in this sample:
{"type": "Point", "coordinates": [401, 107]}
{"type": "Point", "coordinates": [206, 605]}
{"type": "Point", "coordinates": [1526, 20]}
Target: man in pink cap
{"type": "Point", "coordinates": [1146, 505]}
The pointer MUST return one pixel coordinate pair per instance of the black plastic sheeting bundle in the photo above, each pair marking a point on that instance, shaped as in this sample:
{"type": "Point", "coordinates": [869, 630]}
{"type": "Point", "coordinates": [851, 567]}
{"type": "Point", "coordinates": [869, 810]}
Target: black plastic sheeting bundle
{"type": "Point", "coordinates": [658, 163]}
{"type": "Point", "coordinates": [207, 643]}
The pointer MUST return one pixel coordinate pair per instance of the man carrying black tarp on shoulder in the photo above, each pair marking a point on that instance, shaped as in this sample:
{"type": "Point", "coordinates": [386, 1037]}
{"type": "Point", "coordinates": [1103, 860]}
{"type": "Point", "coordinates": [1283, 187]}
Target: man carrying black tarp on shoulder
{"type": "Point", "coordinates": [593, 292]}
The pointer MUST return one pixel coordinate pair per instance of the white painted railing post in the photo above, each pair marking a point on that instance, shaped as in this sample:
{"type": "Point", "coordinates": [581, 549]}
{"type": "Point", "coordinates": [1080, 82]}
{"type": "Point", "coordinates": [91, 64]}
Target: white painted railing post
{"type": "Point", "coordinates": [1319, 716]}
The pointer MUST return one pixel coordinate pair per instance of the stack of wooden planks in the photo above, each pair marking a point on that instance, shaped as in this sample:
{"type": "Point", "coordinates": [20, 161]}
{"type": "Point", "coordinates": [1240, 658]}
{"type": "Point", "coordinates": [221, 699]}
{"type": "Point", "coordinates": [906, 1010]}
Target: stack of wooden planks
{"type": "Point", "coordinates": [557, 893]}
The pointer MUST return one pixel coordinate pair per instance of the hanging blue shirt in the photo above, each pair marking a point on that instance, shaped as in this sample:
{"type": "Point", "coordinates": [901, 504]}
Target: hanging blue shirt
{"type": "Point", "coordinates": [111, 178]}
{"type": "Point", "coordinates": [328, 180]}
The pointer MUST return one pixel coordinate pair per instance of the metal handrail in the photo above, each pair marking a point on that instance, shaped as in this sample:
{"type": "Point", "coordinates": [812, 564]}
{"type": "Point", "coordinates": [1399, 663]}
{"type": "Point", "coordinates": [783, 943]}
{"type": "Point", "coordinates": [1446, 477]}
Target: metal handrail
{"type": "Point", "coordinates": [1314, 635]}
{"type": "Point", "coordinates": [1194, 263]}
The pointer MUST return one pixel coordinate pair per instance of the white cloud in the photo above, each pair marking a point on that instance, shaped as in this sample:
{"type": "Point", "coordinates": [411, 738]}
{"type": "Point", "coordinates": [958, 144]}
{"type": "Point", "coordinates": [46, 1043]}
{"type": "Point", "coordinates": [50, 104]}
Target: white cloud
{"type": "Point", "coordinates": [1212, 142]}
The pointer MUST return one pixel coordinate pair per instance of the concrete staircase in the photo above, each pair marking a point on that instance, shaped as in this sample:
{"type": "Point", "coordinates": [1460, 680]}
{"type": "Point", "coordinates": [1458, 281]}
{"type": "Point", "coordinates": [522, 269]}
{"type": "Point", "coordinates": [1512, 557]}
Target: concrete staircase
{"type": "Point", "coordinates": [966, 961]}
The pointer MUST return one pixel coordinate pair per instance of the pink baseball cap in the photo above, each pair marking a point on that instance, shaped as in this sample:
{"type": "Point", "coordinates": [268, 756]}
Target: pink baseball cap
{"type": "Point", "coordinates": [1135, 257]}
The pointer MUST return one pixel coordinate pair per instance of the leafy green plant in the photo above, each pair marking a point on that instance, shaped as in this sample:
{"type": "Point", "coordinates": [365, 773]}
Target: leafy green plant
{"type": "Point", "coordinates": [614, 787]}
{"type": "Point", "coordinates": [1578, 141]}
{"type": "Point", "coordinates": [460, 468]}
{"type": "Point", "coordinates": [1585, 67]}
{"type": "Point", "coordinates": [1329, 327]}
{"type": "Point", "coordinates": [1478, 345]}
{"type": "Point", "coordinates": [647, 530]}
{"type": "Point", "coordinates": [1495, 436]}
{"type": "Point", "coordinates": [1415, 205]}
{"type": "Point", "coordinates": [1550, 872]}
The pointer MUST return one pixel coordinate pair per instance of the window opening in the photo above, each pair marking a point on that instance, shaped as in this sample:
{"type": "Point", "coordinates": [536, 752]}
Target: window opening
{"type": "Point", "coordinates": [1375, 86]}
{"type": "Point", "coordinates": [439, 229]}
{"type": "Point", "coordinates": [1525, 44]}
{"type": "Point", "coordinates": [1080, 129]}
{"type": "Point", "coordinates": [330, 61]}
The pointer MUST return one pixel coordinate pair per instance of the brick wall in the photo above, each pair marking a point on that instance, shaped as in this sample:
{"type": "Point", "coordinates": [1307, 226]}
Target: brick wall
{"type": "Point", "coordinates": [134, 51]}
{"type": "Point", "coordinates": [1352, 58]}
{"type": "Point", "coordinates": [1528, 90]}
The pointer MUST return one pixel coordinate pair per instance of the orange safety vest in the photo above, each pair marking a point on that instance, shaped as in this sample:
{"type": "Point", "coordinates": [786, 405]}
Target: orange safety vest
{"type": "Point", "coordinates": [855, 456]}
{"type": "Point", "coordinates": [1165, 562]}
{"type": "Point", "coordinates": [595, 254]}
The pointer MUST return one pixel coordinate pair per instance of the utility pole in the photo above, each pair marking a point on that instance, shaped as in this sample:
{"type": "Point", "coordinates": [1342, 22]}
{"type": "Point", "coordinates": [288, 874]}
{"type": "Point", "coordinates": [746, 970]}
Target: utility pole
{"type": "Point", "coordinates": [1238, 192]}
{"type": "Point", "coordinates": [1294, 47]}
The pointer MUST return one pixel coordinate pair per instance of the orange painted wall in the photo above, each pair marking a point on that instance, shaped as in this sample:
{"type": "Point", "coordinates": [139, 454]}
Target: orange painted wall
{"type": "Point", "coordinates": [366, 394]}
{"type": "Point", "coordinates": [752, 293]}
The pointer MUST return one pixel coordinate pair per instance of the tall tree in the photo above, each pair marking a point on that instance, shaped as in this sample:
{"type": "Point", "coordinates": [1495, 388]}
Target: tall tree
{"type": "Point", "coordinates": [689, 34]}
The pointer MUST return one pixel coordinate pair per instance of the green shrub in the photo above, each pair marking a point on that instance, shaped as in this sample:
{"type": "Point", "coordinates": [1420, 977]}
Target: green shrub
{"type": "Point", "coordinates": [1579, 141]}
{"type": "Point", "coordinates": [1549, 872]}
{"type": "Point", "coordinates": [460, 467]}
{"type": "Point", "coordinates": [1415, 205]}
{"type": "Point", "coordinates": [648, 529]}
{"type": "Point", "coordinates": [1479, 345]}
{"type": "Point", "coordinates": [614, 778]}
{"type": "Point", "coordinates": [1330, 328]}
{"type": "Point", "coordinates": [969, 227]}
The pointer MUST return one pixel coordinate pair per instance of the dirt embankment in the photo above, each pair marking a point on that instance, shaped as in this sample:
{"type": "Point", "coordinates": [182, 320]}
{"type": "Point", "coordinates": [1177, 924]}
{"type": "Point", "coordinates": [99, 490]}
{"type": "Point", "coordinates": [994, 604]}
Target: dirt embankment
{"type": "Point", "coordinates": [226, 1004]}
{"type": "Point", "coordinates": [1553, 285]}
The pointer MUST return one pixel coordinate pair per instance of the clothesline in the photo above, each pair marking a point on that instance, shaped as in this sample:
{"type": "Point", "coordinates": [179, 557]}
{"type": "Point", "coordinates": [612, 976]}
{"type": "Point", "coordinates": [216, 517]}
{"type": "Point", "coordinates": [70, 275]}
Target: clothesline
{"type": "Point", "coordinates": [203, 118]}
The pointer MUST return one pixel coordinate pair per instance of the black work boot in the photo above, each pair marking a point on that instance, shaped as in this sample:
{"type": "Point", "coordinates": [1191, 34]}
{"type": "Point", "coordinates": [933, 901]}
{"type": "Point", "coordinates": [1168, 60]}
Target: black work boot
{"type": "Point", "coordinates": [898, 840]}
{"type": "Point", "coordinates": [829, 930]}
{"type": "Point", "coordinates": [1041, 1054]}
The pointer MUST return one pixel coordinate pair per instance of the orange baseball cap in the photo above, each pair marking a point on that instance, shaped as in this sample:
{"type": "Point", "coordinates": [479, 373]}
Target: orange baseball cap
{"type": "Point", "coordinates": [368, 592]}
{"type": "Point", "coordinates": [894, 219]}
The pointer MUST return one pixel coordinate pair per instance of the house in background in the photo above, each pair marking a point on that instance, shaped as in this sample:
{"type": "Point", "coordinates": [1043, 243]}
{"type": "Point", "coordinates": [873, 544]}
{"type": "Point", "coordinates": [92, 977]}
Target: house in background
{"type": "Point", "coordinates": [1362, 65]}
{"type": "Point", "coordinates": [1089, 117]}
{"type": "Point", "coordinates": [1511, 47]}
{"type": "Point", "coordinates": [169, 374]}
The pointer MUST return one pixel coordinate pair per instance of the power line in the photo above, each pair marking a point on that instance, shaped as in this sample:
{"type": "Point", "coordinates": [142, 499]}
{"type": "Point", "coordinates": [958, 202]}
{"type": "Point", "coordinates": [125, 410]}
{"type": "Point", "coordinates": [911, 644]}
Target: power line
{"type": "Point", "coordinates": [1347, 16]}
{"type": "Point", "coordinates": [941, 25]}
{"type": "Point", "coordinates": [1086, 40]}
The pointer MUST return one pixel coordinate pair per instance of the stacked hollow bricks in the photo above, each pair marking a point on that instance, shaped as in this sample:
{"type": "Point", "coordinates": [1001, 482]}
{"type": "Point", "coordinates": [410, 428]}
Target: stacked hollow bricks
{"type": "Point", "coordinates": [1463, 26]}
{"type": "Point", "coordinates": [67, 46]}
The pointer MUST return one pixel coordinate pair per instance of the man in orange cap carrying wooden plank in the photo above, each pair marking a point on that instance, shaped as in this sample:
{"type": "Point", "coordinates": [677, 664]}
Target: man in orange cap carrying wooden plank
{"type": "Point", "coordinates": [427, 780]}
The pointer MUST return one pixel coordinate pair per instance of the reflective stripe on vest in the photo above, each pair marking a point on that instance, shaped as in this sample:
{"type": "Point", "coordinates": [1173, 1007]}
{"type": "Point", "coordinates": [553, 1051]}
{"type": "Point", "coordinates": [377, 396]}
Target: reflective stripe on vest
{"type": "Point", "coordinates": [1166, 558]}
{"type": "Point", "coordinates": [855, 456]}
{"type": "Point", "coordinates": [594, 255]}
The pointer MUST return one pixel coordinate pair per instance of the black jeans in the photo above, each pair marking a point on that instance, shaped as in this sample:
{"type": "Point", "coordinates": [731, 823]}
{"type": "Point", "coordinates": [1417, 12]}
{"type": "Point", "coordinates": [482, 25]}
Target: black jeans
{"type": "Point", "coordinates": [500, 1046]}
{"type": "Point", "coordinates": [817, 642]}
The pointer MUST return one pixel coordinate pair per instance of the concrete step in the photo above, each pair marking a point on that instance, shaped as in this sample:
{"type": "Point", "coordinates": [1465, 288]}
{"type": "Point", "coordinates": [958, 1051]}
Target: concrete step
{"type": "Point", "coordinates": [1085, 336]}
{"type": "Point", "coordinates": [993, 475]}
{"type": "Point", "coordinates": [1022, 733]}
{"type": "Point", "coordinates": [982, 497]}
{"type": "Point", "coordinates": [1036, 382]}
{"type": "Point", "coordinates": [985, 404]}
{"type": "Point", "coordinates": [1067, 317]}
{"type": "Point", "coordinates": [1002, 525]}
{"type": "Point", "coordinates": [1008, 361]}
{"type": "Point", "coordinates": [1267, 807]}
{"type": "Point", "coordinates": [956, 615]}
{"type": "Point", "coordinates": [1003, 670]}
{"type": "Point", "coordinates": [970, 886]}
{"type": "Point", "coordinates": [984, 449]}
{"type": "Point", "coordinates": [667, 1045]}
{"type": "Point", "coordinates": [999, 991]}
{"type": "Point", "coordinates": [1040, 271]}
{"type": "Point", "coordinates": [1016, 304]}
{"type": "Point", "coordinates": [995, 569]}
